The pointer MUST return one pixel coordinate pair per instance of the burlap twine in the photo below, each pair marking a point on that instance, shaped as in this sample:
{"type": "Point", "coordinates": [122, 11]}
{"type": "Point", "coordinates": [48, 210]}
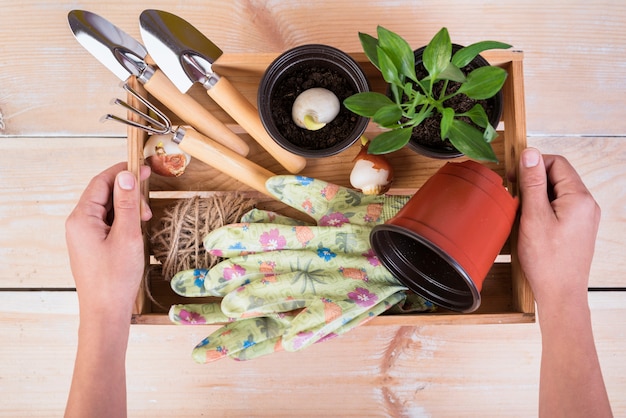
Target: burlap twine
{"type": "Point", "coordinates": [177, 240]}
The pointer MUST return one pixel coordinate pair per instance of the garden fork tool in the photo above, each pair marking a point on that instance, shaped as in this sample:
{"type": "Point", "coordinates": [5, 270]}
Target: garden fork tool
{"type": "Point", "coordinates": [197, 145]}
{"type": "Point", "coordinates": [125, 57]}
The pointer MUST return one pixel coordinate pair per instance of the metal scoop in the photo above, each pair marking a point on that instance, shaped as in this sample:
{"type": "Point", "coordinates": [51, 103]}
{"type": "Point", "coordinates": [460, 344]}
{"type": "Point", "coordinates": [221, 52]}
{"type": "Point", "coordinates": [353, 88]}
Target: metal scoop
{"type": "Point", "coordinates": [125, 57]}
{"type": "Point", "coordinates": [197, 145]}
{"type": "Point", "coordinates": [187, 56]}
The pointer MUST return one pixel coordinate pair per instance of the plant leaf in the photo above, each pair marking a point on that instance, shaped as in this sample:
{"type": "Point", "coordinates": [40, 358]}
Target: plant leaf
{"type": "Point", "coordinates": [452, 72]}
{"type": "Point", "coordinates": [399, 51]}
{"type": "Point", "coordinates": [388, 115]}
{"type": "Point", "coordinates": [437, 53]}
{"type": "Point", "coordinates": [370, 44]}
{"type": "Point", "coordinates": [465, 55]}
{"type": "Point", "coordinates": [424, 112]}
{"type": "Point", "coordinates": [390, 141]}
{"type": "Point", "coordinates": [478, 115]}
{"type": "Point", "coordinates": [396, 93]}
{"type": "Point", "coordinates": [483, 82]}
{"type": "Point", "coordinates": [367, 103]}
{"type": "Point", "coordinates": [388, 68]}
{"type": "Point", "coordinates": [425, 83]}
{"type": "Point", "coordinates": [409, 89]}
{"type": "Point", "coordinates": [447, 116]}
{"type": "Point", "coordinates": [470, 141]}
{"type": "Point", "coordinates": [413, 101]}
{"type": "Point", "coordinates": [490, 134]}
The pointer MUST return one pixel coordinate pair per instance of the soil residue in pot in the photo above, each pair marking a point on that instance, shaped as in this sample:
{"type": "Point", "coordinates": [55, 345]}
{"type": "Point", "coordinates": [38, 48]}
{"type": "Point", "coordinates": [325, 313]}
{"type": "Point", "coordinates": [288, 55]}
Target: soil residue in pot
{"type": "Point", "coordinates": [299, 80]}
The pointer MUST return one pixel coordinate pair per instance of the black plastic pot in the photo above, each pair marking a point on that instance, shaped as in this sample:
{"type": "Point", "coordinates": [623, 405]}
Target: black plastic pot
{"type": "Point", "coordinates": [293, 64]}
{"type": "Point", "coordinates": [445, 150]}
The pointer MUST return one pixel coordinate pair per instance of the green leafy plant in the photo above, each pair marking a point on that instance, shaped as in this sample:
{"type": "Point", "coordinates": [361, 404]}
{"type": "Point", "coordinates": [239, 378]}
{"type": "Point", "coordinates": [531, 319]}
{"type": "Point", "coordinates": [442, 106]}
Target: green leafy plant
{"type": "Point", "coordinates": [414, 100]}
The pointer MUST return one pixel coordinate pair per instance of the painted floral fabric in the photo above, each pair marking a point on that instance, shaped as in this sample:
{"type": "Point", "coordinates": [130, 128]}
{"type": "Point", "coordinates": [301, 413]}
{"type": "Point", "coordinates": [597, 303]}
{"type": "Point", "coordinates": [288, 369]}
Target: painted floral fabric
{"type": "Point", "coordinates": [286, 284]}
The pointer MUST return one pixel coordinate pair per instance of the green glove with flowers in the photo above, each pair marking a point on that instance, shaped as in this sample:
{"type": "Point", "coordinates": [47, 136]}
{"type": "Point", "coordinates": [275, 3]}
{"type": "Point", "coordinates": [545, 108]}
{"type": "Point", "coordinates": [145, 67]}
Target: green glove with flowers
{"type": "Point", "coordinates": [287, 284]}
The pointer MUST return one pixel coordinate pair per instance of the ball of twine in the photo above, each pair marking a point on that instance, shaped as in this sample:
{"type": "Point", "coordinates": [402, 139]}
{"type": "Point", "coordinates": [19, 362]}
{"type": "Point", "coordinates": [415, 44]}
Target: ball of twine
{"type": "Point", "coordinates": [177, 240]}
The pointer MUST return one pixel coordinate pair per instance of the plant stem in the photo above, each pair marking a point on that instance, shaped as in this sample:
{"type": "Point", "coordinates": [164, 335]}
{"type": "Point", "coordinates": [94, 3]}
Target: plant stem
{"type": "Point", "coordinates": [443, 92]}
{"type": "Point", "coordinates": [421, 115]}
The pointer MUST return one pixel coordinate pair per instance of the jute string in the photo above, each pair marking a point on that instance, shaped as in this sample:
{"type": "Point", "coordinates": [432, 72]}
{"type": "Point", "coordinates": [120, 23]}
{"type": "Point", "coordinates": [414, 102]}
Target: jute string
{"type": "Point", "coordinates": [177, 240]}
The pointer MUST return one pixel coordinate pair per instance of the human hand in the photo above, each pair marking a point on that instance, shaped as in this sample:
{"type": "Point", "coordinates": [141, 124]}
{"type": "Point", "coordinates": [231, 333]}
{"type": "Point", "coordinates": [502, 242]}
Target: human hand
{"type": "Point", "coordinates": [106, 250]}
{"type": "Point", "coordinates": [558, 228]}
{"type": "Point", "coordinates": [105, 242]}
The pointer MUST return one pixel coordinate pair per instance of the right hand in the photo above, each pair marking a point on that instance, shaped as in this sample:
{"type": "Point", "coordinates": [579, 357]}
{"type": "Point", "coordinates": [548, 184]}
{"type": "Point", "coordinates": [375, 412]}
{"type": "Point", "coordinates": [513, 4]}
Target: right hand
{"type": "Point", "coordinates": [558, 228]}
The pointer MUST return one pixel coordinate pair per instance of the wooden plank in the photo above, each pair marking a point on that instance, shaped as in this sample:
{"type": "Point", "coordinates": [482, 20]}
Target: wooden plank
{"type": "Point", "coordinates": [600, 162]}
{"type": "Point", "coordinates": [42, 181]}
{"type": "Point", "coordinates": [515, 141]}
{"type": "Point", "coordinates": [496, 306]}
{"type": "Point", "coordinates": [565, 94]}
{"type": "Point", "coordinates": [40, 198]}
{"type": "Point", "coordinates": [52, 94]}
{"type": "Point", "coordinates": [38, 334]}
{"type": "Point", "coordinates": [489, 370]}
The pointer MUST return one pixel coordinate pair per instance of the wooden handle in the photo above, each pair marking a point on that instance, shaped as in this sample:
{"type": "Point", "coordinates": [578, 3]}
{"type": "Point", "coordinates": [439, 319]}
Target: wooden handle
{"type": "Point", "coordinates": [225, 160]}
{"type": "Point", "coordinates": [194, 113]}
{"type": "Point", "coordinates": [246, 115]}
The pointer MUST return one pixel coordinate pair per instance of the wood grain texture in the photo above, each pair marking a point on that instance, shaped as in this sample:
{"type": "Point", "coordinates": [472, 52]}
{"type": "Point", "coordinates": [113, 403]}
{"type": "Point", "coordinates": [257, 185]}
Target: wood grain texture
{"type": "Point", "coordinates": [496, 307]}
{"type": "Point", "coordinates": [35, 202]}
{"type": "Point", "coordinates": [411, 169]}
{"type": "Point", "coordinates": [386, 371]}
{"type": "Point", "coordinates": [53, 93]}
{"type": "Point", "coordinates": [43, 179]}
{"type": "Point", "coordinates": [574, 66]}
{"type": "Point", "coordinates": [601, 163]}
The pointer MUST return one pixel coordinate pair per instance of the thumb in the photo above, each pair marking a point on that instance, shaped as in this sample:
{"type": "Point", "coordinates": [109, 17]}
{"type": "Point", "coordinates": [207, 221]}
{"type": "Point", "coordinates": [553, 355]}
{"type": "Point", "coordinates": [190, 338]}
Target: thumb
{"type": "Point", "coordinates": [126, 205]}
{"type": "Point", "coordinates": [533, 183]}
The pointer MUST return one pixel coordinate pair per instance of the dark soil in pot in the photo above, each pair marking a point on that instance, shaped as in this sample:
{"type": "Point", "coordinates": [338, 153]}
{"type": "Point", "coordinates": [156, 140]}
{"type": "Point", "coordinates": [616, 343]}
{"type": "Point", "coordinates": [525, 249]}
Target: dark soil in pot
{"type": "Point", "coordinates": [300, 69]}
{"type": "Point", "coordinates": [299, 80]}
{"type": "Point", "coordinates": [426, 138]}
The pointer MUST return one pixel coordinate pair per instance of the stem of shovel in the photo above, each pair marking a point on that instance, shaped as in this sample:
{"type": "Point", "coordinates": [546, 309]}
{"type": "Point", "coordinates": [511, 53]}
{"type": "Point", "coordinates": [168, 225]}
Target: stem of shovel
{"type": "Point", "coordinates": [247, 116]}
{"type": "Point", "coordinates": [223, 159]}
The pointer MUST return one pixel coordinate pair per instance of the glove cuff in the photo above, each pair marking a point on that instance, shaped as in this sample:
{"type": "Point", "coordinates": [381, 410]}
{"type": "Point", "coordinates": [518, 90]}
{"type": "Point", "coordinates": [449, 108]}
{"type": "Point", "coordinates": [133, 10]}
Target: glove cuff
{"type": "Point", "coordinates": [391, 206]}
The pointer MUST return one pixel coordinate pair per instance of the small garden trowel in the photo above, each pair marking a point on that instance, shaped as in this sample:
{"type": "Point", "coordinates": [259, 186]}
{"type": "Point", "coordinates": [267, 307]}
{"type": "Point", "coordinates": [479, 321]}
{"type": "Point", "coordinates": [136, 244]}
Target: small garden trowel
{"type": "Point", "coordinates": [126, 57]}
{"type": "Point", "coordinates": [186, 56]}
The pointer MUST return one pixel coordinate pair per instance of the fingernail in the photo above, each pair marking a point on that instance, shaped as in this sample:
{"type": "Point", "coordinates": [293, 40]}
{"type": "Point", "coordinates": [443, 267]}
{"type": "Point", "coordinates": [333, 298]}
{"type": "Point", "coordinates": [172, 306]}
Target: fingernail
{"type": "Point", "coordinates": [530, 158]}
{"type": "Point", "coordinates": [126, 180]}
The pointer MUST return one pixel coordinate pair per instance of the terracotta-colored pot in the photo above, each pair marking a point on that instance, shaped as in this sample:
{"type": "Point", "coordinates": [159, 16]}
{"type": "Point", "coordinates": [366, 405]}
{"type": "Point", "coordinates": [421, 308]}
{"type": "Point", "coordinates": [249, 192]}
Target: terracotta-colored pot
{"type": "Point", "coordinates": [443, 242]}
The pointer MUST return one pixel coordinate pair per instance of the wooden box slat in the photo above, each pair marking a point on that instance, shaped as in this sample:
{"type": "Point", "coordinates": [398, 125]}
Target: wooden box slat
{"type": "Point", "coordinates": [506, 295]}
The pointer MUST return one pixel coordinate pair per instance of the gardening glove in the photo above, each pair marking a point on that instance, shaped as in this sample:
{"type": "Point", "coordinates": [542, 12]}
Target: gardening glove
{"type": "Point", "coordinates": [278, 266]}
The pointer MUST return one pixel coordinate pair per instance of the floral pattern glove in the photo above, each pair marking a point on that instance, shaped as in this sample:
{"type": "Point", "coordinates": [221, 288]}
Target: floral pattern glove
{"type": "Point", "coordinates": [286, 284]}
{"type": "Point", "coordinates": [332, 205]}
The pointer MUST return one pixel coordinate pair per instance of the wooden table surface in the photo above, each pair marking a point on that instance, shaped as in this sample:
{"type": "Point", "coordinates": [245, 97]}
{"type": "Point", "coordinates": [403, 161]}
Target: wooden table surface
{"type": "Point", "coordinates": [53, 93]}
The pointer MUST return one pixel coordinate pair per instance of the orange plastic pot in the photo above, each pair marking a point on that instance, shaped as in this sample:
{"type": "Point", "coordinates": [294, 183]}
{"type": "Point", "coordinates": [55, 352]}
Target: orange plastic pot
{"type": "Point", "coordinates": [443, 242]}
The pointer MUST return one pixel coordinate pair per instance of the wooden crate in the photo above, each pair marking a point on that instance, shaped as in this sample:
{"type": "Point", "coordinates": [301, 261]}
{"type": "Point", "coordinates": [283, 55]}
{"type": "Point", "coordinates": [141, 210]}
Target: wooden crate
{"type": "Point", "coordinates": [506, 295]}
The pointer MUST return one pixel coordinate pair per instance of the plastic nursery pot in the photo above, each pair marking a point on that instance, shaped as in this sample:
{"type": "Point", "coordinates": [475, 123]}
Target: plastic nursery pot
{"type": "Point", "coordinates": [431, 145]}
{"type": "Point", "coordinates": [443, 242]}
{"type": "Point", "coordinates": [302, 68]}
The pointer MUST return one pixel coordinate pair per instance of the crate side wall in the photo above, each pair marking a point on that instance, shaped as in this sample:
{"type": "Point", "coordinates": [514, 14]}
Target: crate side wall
{"type": "Point", "coordinates": [511, 284]}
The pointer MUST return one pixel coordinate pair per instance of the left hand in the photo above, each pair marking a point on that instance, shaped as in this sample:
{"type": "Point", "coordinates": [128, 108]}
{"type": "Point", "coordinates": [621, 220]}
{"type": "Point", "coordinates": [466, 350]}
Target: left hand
{"type": "Point", "coordinates": [105, 242]}
{"type": "Point", "coordinates": [106, 252]}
